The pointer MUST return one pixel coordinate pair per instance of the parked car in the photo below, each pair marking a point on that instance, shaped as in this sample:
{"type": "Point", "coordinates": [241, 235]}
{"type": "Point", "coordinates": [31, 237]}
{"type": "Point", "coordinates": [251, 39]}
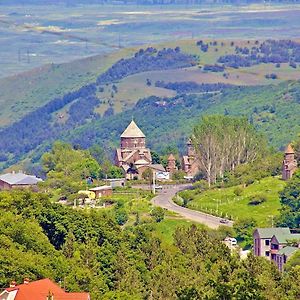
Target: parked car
{"type": "Point", "coordinates": [231, 241]}
{"type": "Point", "coordinates": [224, 221]}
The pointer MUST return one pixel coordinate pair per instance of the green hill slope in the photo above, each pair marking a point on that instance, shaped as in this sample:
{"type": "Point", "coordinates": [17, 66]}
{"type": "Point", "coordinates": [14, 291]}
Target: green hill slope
{"type": "Point", "coordinates": [25, 92]}
{"type": "Point", "coordinates": [274, 112]}
{"type": "Point", "coordinates": [96, 113]}
{"type": "Point", "coordinates": [169, 121]}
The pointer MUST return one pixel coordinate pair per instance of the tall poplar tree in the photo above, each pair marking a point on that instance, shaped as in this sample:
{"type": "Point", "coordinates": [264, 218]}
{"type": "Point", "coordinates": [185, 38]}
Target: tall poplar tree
{"type": "Point", "coordinates": [224, 142]}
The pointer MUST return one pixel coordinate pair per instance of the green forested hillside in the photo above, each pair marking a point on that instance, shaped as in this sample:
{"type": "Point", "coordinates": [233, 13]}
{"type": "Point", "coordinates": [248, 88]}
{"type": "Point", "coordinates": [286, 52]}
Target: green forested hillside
{"type": "Point", "coordinates": [273, 110]}
{"type": "Point", "coordinates": [88, 251]}
{"type": "Point", "coordinates": [96, 113]}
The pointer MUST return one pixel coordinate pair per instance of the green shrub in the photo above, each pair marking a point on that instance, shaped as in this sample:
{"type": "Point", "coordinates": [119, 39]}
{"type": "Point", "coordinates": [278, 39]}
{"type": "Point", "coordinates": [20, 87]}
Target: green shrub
{"type": "Point", "coordinates": [178, 175]}
{"type": "Point", "coordinates": [121, 216]}
{"type": "Point", "coordinates": [257, 199]}
{"type": "Point", "coordinates": [238, 191]}
{"type": "Point", "coordinates": [249, 180]}
{"type": "Point", "coordinates": [158, 214]}
{"type": "Point", "coordinates": [201, 185]}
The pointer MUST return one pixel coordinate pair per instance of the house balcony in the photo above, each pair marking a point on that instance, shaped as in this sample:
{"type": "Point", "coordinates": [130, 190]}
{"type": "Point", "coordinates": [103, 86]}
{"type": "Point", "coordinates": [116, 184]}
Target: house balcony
{"type": "Point", "coordinates": [274, 251]}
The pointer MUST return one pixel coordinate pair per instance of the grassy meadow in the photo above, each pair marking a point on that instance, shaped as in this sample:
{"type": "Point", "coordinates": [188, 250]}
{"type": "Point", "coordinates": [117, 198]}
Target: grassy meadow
{"type": "Point", "coordinates": [224, 202]}
{"type": "Point", "coordinates": [22, 93]}
{"type": "Point", "coordinates": [139, 201]}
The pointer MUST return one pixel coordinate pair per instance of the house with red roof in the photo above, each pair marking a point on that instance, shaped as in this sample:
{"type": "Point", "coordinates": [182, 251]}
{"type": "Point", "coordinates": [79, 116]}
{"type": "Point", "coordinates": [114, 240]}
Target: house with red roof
{"type": "Point", "coordinates": [43, 289]}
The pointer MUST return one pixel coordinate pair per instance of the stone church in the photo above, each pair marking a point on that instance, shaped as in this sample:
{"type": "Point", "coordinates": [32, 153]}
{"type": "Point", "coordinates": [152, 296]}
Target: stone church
{"type": "Point", "coordinates": [190, 164]}
{"type": "Point", "coordinates": [133, 156]}
{"type": "Point", "coordinates": [289, 164]}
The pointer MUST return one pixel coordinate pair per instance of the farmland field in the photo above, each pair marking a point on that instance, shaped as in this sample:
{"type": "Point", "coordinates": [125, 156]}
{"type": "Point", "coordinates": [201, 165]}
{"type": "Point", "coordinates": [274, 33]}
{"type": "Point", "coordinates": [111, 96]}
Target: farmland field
{"type": "Point", "coordinates": [31, 36]}
{"type": "Point", "coordinates": [26, 91]}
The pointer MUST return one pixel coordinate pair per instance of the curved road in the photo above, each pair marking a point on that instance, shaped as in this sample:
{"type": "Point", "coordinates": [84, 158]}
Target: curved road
{"type": "Point", "coordinates": [164, 200]}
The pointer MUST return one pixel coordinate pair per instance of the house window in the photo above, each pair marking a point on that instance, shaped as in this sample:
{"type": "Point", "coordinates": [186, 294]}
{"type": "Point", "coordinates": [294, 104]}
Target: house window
{"type": "Point", "coordinates": [274, 246]}
{"type": "Point", "coordinates": [267, 242]}
{"type": "Point", "coordinates": [267, 253]}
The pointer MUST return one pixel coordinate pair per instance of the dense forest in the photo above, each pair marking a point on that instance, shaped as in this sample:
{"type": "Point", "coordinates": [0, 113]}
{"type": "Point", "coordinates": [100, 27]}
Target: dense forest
{"type": "Point", "coordinates": [88, 251]}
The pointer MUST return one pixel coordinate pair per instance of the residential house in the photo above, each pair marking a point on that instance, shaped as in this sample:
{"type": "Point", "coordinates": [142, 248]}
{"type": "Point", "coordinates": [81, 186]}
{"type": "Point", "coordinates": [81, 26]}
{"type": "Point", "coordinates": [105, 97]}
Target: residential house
{"type": "Point", "coordinates": [280, 241]}
{"type": "Point", "coordinates": [262, 239]}
{"type": "Point", "coordinates": [40, 290]}
{"type": "Point", "coordinates": [274, 244]}
{"type": "Point", "coordinates": [116, 182]}
{"type": "Point", "coordinates": [283, 255]}
{"type": "Point", "coordinates": [13, 180]}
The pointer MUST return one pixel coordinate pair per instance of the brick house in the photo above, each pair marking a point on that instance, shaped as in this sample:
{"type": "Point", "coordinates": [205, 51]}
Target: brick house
{"type": "Point", "coordinates": [40, 290]}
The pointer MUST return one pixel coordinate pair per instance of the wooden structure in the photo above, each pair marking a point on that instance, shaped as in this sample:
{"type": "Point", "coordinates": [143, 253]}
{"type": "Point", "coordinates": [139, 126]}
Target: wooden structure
{"type": "Point", "coordinates": [102, 191]}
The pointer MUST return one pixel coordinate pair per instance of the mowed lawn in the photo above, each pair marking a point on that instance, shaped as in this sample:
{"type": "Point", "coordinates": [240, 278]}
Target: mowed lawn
{"type": "Point", "coordinates": [226, 203]}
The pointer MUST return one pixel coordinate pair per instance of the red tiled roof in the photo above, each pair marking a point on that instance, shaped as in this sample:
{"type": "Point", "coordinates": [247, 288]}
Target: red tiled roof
{"type": "Point", "coordinates": [39, 290]}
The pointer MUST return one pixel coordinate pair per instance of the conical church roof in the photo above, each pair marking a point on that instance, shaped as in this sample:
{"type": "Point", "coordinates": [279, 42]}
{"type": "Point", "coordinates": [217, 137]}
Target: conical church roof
{"type": "Point", "coordinates": [171, 157]}
{"type": "Point", "coordinates": [289, 149]}
{"type": "Point", "coordinates": [132, 131]}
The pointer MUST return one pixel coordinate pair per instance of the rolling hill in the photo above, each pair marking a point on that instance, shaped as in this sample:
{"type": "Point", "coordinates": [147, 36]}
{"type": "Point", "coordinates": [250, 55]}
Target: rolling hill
{"type": "Point", "coordinates": [165, 89]}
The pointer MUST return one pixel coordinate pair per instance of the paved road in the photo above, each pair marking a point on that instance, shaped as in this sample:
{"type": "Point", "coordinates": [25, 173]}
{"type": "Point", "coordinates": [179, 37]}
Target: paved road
{"type": "Point", "coordinates": [164, 200]}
